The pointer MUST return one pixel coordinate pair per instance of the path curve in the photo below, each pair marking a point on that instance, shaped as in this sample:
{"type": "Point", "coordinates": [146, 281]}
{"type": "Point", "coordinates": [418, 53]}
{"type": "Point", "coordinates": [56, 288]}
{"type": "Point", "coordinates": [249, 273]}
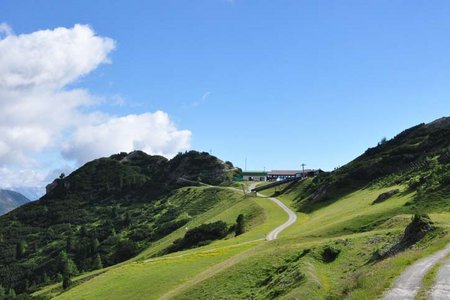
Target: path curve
{"type": "Point", "coordinates": [441, 288]}
{"type": "Point", "coordinates": [408, 284]}
{"type": "Point", "coordinates": [273, 235]}
{"type": "Point", "coordinates": [292, 219]}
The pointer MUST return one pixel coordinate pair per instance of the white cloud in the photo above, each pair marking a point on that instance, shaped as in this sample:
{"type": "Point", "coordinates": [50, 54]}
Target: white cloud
{"type": "Point", "coordinates": [51, 58]}
{"type": "Point", "coordinates": [16, 178]}
{"type": "Point", "coordinates": [151, 132]}
{"type": "Point", "coordinates": [40, 114]}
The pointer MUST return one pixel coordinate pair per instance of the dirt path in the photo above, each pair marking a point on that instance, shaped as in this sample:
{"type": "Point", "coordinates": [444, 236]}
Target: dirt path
{"type": "Point", "coordinates": [292, 219]}
{"type": "Point", "coordinates": [410, 281]}
{"type": "Point", "coordinates": [292, 216]}
{"type": "Point", "coordinates": [238, 257]}
{"type": "Point", "coordinates": [441, 288]}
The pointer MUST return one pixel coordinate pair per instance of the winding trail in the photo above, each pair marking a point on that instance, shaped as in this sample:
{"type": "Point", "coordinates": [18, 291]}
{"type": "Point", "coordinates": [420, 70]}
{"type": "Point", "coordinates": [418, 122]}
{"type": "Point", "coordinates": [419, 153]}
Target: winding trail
{"type": "Point", "coordinates": [441, 288]}
{"type": "Point", "coordinates": [292, 219]}
{"type": "Point", "coordinates": [273, 235]}
{"type": "Point", "coordinates": [292, 216]}
{"type": "Point", "coordinates": [409, 283]}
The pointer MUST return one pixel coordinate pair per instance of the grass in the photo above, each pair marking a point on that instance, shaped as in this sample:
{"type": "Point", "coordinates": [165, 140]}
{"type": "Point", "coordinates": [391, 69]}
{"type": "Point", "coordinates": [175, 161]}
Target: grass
{"type": "Point", "coordinates": [362, 226]}
{"type": "Point", "coordinates": [165, 273]}
{"type": "Point", "coordinates": [150, 279]}
{"type": "Point", "coordinates": [352, 213]}
{"type": "Point", "coordinates": [276, 267]}
{"type": "Point", "coordinates": [288, 268]}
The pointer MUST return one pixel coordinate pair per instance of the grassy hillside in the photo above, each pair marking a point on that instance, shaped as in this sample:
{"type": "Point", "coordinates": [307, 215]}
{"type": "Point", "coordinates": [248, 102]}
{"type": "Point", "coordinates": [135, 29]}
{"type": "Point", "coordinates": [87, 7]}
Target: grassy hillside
{"type": "Point", "coordinates": [291, 267]}
{"type": "Point", "coordinates": [104, 213]}
{"type": "Point", "coordinates": [295, 266]}
{"type": "Point", "coordinates": [167, 272]}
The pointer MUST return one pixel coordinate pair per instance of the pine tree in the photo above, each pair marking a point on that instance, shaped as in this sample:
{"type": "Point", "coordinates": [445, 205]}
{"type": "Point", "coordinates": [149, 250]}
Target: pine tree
{"type": "Point", "coordinates": [240, 225]}
{"type": "Point", "coordinates": [94, 245]}
{"type": "Point", "coordinates": [21, 247]}
{"type": "Point", "coordinates": [66, 265]}
{"type": "Point", "coordinates": [97, 264]}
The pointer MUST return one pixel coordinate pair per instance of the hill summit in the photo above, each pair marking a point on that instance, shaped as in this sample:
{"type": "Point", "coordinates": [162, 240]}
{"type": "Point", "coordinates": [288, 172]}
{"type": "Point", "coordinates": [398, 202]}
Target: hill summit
{"type": "Point", "coordinates": [103, 213]}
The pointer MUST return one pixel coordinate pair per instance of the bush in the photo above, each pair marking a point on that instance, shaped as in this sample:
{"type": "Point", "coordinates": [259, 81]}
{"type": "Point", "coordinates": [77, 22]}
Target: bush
{"type": "Point", "coordinates": [329, 254]}
{"type": "Point", "coordinates": [125, 249]}
{"type": "Point", "coordinates": [200, 236]}
{"type": "Point", "coordinates": [240, 225]}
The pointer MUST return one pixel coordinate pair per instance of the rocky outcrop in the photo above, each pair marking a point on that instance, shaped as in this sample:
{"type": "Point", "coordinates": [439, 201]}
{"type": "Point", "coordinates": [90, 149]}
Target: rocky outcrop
{"type": "Point", "coordinates": [384, 196]}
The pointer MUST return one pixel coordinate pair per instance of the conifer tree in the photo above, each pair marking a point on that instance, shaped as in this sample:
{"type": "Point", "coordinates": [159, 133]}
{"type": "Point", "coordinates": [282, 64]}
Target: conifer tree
{"type": "Point", "coordinates": [97, 264]}
{"type": "Point", "coordinates": [240, 224]}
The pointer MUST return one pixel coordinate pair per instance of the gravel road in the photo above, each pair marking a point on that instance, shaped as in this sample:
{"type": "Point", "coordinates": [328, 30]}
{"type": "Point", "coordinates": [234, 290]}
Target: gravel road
{"type": "Point", "coordinates": [441, 288]}
{"type": "Point", "coordinates": [410, 281]}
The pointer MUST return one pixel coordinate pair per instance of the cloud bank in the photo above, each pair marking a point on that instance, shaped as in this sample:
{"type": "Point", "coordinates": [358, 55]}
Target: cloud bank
{"type": "Point", "coordinates": [151, 132]}
{"type": "Point", "coordinates": [40, 113]}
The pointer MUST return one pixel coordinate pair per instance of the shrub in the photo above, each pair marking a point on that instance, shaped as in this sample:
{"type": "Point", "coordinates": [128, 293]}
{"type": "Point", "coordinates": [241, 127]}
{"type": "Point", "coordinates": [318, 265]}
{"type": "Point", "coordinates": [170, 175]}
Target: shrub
{"type": "Point", "coordinates": [329, 254]}
{"type": "Point", "coordinates": [199, 236]}
{"type": "Point", "coordinates": [240, 225]}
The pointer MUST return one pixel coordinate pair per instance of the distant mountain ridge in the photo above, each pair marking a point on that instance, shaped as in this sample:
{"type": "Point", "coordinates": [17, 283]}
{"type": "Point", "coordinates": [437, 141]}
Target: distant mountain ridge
{"type": "Point", "coordinates": [10, 200]}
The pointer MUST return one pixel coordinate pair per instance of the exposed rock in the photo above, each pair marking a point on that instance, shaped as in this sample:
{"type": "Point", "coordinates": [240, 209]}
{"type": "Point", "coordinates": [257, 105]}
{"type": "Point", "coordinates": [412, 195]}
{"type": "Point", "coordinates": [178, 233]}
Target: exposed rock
{"type": "Point", "coordinates": [384, 196]}
{"type": "Point", "coordinates": [51, 186]}
{"type": "Point", "coordinates": [415, 231]}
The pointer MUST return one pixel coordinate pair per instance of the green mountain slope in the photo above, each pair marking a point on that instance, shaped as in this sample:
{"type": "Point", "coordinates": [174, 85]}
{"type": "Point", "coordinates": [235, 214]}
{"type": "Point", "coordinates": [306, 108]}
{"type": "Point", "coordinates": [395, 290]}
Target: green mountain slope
{"type": "Point", "coordinates": [346, 244]}
{"type": "Point", "coordinates": [411, 156]}
{"type": "Point", "coordinates": [10, 200]}
{"type": "Point", "coordinates": [106, 212]}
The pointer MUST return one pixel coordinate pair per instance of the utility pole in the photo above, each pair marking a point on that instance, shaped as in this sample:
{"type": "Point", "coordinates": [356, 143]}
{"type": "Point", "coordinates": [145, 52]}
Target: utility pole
{"type": "Point", "coordinates": [303, 169]}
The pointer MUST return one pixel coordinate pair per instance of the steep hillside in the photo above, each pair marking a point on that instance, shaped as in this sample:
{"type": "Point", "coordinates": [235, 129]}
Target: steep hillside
{"type": "Point", "coordinates": [417, 157]}
{"type": "Point", "coordinates": [10, 200]}
{"type": "Point", "coordinates": [104, 213]}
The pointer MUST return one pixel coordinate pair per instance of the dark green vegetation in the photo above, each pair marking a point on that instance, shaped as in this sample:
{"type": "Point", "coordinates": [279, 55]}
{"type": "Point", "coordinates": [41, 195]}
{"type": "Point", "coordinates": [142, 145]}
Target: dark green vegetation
{"type": "Point", "coordinates": [104, 213]}
{"type": "Point", "coordinates": [200, 236]}
{"type": "Point", "coordinates": [10, 200]}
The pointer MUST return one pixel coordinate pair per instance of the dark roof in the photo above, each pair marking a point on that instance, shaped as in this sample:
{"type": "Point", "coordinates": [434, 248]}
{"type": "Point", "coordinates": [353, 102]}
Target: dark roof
{"type": "Point", "coordinates": [254, 173]}
{"type": "Point", "coordinates": [287, 172]}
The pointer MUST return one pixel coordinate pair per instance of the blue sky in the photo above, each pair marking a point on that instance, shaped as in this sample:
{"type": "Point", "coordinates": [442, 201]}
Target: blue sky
{"type": "Point", "coordinates": [279, 82]}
